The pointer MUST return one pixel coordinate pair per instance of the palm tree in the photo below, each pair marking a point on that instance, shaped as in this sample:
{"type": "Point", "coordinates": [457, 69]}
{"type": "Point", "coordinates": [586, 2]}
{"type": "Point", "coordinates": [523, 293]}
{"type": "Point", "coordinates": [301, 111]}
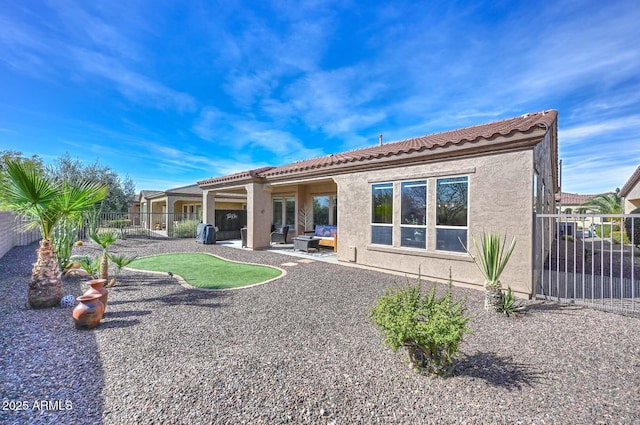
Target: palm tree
{"type": "Point", "coordinates": [492, 257]}
{"type": "Point", "coordinates": [607, 203]}
{"type": "Point", "coordinates": [120, 261]}
{"type": "Point", "coordinates": [104, 240]}
{"type": "Point", "coordinates": [28, 192]}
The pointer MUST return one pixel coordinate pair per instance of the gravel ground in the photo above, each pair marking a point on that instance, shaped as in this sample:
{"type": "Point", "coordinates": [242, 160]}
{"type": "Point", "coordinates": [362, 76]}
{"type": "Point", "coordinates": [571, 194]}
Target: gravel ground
{"type": "Point", "coordinates": [298, 350]}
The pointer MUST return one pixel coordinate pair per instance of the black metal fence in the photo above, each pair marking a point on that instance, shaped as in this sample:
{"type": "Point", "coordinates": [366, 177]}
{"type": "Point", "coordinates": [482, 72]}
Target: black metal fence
{"type": "Point", "coordinates": [167, 225]}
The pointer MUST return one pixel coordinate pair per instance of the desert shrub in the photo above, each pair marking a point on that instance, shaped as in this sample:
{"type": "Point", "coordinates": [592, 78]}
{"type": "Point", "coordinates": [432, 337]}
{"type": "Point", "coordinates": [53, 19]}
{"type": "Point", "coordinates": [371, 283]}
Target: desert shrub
{"type": "Point", "coordinates": [119, 223]}
{"type": "Point", "coordinates": [430, 327]}
{"type": "Point", "coordinates": [632, 226]}
{"type": "Point", "coordinates": [185, 229]}
{"type": "Point", "coordinates": [509, 304]}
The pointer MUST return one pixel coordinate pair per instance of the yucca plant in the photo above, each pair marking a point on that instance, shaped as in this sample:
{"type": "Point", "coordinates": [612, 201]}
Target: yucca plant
{"type": "Point", "coordinates": [119, 261]}
{"type": "Point", "coordinates": [492, 256]}
{"type": "Point", "coordinates": [104, 240]}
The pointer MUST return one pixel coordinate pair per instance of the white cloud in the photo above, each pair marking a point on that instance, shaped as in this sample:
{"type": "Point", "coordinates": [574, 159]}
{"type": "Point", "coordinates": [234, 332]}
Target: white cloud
{"type": "Point", "coordinates": [603, 130]}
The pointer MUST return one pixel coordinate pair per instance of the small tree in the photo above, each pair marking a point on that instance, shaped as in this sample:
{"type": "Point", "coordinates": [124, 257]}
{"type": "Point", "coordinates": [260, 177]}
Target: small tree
{"type": "Point", "coordinates": [27, 191]}
{"type": "Point", "coordinates": [119, 261]}
{"type": "Point", "coordinates": [104, 240]}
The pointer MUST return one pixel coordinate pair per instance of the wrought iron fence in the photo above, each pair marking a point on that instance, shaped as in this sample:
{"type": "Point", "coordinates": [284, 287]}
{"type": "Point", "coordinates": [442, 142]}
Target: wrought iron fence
{"type": "Point", "coordinates": [588, 259]}
{"type": "Point", "coordinates": [166, 225]}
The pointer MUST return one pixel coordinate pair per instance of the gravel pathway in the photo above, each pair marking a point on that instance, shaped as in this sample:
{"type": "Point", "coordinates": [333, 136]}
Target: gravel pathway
{"type": "Point", "coordinates": [298, 350]}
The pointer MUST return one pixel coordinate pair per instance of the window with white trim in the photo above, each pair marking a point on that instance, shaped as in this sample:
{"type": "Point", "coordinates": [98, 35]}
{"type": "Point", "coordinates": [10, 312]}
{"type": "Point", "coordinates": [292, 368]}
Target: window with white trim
{"type": "Point", "coordinates": [452, 195]}
{"type": "Point", "coordinates": [413, 227]}
{"type": "Point", "coordinates": [382, 213]}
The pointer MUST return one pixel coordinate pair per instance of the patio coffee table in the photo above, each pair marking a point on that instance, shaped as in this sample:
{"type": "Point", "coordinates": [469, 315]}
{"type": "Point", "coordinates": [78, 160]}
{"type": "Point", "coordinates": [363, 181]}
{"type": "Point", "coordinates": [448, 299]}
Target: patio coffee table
{"type": "Point", "coordinates": [304, 243]}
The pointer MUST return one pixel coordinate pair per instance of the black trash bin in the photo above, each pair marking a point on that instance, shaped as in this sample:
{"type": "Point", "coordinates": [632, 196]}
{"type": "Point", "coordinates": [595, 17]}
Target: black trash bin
{"type": "Point", "coordinates": [243, 236]}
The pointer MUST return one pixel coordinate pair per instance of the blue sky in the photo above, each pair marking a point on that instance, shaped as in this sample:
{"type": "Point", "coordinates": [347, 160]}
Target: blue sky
{"type": "Point", "coordinates": [172, 92]}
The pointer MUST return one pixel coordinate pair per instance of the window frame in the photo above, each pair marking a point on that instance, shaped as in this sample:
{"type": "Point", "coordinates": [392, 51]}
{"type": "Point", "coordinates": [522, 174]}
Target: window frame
{"type": "Point", "coordinates": [449, 226]}
{"type": "Point", "coordinates": [420, 230]}
{"type": "Point", "coordinates": [381, 224]}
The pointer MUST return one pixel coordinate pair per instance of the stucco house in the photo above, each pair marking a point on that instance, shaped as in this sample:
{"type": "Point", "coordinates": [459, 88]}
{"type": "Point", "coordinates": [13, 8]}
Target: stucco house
{"type": "Point", "coordinates": [630, 192]}
{"type": "Point", "coordinates": [411, 205]}
{"type": "Point", "coordinates": [161, 209]}
{"type": "Point", "coordinates": [571, 203]}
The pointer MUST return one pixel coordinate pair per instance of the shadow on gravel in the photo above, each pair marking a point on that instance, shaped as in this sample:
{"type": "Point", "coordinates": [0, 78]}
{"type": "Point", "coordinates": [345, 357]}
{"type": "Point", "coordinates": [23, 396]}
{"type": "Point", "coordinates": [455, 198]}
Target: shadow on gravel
{"type": "Point", "coordinates": [554, 307]}
{"type": "Point", "coordinates": [111, 324]}
{"type": "Point", "coordinates": [128, 313]}
{"type": "Point", "coordinates": [498, 371]}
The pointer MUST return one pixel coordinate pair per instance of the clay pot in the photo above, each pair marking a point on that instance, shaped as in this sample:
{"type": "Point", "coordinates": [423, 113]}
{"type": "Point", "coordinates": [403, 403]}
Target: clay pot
{"type": "Point", "coordinates": [97, 287]}
{"type": "Point", "coordinates": [88, 312]}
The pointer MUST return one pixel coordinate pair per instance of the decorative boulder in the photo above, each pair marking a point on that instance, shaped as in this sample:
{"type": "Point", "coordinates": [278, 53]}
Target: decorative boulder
{"type": "Point", "coordinates": [68, 301]}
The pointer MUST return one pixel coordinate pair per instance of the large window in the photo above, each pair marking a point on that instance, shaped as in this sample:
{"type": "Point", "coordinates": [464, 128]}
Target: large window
{"type": "Point", "coordinates": [413, 228]}
{"type": "Point", "coordinates": [325, 210]}
{"type": "Point", "coordinates": [284, 212]}
{"type": "Point", "coordinates": [382, 213]}
{"type": "Point", "coordinates": [451, 213]}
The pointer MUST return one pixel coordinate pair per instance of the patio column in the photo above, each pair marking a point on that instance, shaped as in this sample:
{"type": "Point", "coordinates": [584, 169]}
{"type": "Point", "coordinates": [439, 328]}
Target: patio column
{"type": "Point", "coordinates": [209, 207]}
{"type": "Point", "coordinates": [258, 216]}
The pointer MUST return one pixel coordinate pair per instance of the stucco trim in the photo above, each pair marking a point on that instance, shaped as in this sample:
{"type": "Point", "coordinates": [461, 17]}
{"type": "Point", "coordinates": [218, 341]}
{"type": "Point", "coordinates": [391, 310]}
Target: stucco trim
{"type": "Point", "coordinates": [421, 253]}
{"type": "Point", "coordinates": [428, 175]}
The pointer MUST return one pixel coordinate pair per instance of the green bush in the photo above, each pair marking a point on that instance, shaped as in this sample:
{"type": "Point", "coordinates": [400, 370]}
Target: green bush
{"type": "Point", "coordinates": [185, 229]}
{"type": "Point", "coordinates": [120, 223]}
{"type": "Point", "coordinates": [430, 327]}
{"type": "Point", "coordinates": [636, 227]}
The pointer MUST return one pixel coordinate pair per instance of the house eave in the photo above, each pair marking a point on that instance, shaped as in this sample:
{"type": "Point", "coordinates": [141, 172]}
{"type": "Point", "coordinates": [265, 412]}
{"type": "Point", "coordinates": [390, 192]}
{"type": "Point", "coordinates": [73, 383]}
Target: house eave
{"type": "Point", "coordinates": [498, 145]}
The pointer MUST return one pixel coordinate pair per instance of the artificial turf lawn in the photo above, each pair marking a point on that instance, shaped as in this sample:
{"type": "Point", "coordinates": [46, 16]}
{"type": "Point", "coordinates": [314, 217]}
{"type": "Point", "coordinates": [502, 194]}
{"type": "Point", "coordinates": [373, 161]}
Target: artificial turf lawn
{"type": "Point", "coordinates": [206, 271]}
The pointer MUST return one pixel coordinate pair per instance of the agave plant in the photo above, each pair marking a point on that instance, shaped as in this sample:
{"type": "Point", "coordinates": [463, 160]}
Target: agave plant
{"type": "Point", "coordinates": [28, 192]}
{"type": "Point", "coordinates": [105, 240]}
{"type": "Point", "coordinates": [120, 261]}
{"type": "Point", "coordinates": [510, 305]}
{"type": "Point", "coordinates": [492, 257]}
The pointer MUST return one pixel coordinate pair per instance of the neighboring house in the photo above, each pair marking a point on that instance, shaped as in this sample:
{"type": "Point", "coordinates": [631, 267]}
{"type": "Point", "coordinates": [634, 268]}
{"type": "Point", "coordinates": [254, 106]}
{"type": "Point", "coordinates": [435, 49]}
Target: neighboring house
{"type": "Point", "coordinates": [407, 206]}
{"type": "Point", "coordinates": [572, 203]}
{"type": "Point", "coordinates": [159, 209]}
{"type": "Point", "coordinates": [630, 192]}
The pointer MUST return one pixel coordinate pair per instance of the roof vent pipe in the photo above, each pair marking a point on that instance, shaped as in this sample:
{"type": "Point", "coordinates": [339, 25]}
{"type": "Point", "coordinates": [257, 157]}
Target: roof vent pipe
{"type": "Point", "coordinates": [381, 140]}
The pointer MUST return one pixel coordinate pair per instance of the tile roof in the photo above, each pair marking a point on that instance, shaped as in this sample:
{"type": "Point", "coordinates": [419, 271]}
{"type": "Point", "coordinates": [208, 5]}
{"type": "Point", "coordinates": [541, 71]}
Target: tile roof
{"type": "Point", "coordinates": [477, 136]}
{"type": "Point", "coordinates": [192, 189]}
{"type": "Point", "coordinates": [633, 180]}
{"type": "Point", "coordinates": [573, 198]}
{"type": "Point", "coordinates": [242, 175]}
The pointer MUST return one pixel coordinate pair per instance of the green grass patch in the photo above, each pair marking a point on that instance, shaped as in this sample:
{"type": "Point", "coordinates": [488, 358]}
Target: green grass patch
{"type": "Point", "coordinates": [206, 271]}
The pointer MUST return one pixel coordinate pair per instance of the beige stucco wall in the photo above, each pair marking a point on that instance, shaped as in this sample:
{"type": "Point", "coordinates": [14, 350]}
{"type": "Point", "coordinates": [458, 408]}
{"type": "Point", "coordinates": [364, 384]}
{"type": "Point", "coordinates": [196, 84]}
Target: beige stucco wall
{"type": "Point", "coordinates": [303, 192]}
{"type": "Point", "coordinates": [632, 200]}
{"type": "Point", "coordinates": [500, 200]}
{"type": "Point", "coordinates": [11, 235]}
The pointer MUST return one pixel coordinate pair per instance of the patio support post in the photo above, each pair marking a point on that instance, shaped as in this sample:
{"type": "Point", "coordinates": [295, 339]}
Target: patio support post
{"type": "Point", "coordinates": [209, 207]}
{"type": "Point", "coordinates": [259, 216]}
